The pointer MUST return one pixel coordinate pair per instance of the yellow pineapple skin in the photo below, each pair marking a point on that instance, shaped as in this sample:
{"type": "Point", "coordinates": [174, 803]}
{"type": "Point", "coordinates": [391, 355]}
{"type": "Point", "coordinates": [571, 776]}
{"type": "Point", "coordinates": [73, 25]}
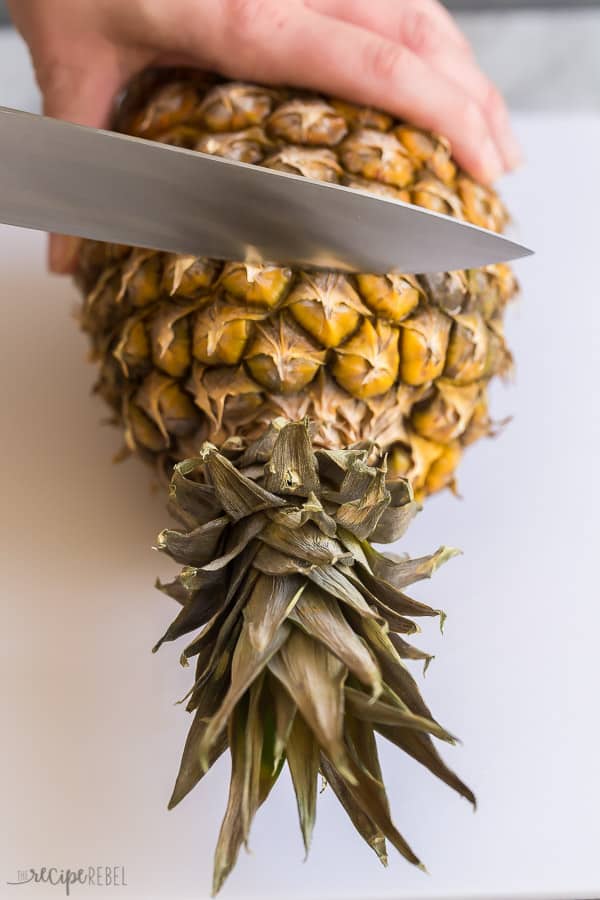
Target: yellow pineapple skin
{"type": "Point", "coordinates": [193, 349]}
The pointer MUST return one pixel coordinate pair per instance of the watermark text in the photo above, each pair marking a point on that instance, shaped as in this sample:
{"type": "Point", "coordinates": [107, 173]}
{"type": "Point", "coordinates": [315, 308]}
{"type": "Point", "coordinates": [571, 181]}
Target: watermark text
{"type": "Point", "coordinates": [89, 876]}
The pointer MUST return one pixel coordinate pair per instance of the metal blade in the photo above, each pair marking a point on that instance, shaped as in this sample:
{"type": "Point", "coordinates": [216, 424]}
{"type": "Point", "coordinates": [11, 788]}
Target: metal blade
{"type": "Point", "coordinates": [97, 184]}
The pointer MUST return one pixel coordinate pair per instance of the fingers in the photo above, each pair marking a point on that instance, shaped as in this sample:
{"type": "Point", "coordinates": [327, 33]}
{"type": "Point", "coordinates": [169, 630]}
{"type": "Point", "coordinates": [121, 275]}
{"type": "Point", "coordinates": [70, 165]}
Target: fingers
{"type": "Point", "coordinates": [416, 23]}
{"type": "Point", "coordinates": [83, 96]}
{"type": "Point", "coordinates": [428, 30]}
{"type": "Point", "coordinates": [63, 252]}
{"type": "Point", "coordinates": [316, 51]}
{"type": "Point", "coordinates": [77, 93]}
{"type": "Point", "coordinates": [466, 74]}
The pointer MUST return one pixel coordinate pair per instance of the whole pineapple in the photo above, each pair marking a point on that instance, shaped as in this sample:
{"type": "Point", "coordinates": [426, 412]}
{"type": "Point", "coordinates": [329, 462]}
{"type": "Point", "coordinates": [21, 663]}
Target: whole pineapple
{"type": "Point", "coordinates": [298, 415]}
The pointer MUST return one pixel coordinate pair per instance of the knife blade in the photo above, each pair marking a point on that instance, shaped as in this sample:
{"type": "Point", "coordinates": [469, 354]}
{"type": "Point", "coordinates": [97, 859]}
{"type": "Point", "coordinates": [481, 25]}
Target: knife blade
{"type": "Point", "coordinates": [55, 176]}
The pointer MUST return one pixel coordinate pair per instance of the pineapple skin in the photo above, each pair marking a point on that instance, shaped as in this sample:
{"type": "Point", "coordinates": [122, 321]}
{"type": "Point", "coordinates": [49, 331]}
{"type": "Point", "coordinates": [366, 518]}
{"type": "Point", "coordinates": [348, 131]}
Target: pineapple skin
{"type": "Point", "coordinates": [192, 349]}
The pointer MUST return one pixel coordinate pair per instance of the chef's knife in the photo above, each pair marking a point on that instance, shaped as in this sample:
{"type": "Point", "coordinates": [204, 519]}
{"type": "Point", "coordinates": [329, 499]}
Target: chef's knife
{"type": "Point", "coordinates": [65, 178]}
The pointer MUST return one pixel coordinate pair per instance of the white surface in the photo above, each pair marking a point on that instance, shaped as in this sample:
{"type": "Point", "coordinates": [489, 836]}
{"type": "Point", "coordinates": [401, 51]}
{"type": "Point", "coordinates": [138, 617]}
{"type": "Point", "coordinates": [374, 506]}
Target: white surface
{"type": "Point", "coordinates": [91, 738]}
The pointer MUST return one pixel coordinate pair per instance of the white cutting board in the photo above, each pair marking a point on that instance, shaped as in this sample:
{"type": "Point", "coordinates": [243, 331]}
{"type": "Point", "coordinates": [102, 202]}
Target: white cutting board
{"type": "Point", "coordinates": [90, 736]}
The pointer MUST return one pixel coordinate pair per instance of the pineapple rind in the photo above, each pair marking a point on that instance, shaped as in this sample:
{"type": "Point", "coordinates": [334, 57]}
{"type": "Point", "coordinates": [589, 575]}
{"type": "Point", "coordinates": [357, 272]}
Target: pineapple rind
{"type": "Point", "coordinates": [246, 343]}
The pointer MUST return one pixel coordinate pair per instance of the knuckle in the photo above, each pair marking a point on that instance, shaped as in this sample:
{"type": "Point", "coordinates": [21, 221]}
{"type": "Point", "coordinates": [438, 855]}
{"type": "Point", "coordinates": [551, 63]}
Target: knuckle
{"type": "Point", "coordinates": [471, 118]}
{"type": "Point", "coordinates": [445, 26]}
{"type": "Point", "coordinates": [247, 21]}
{"type": "Point", "coordinates": [383, 60]}
{"type": "Point", "coordinates": [494, 102]}
{"type": "Point", "coordinates": [419, 31]}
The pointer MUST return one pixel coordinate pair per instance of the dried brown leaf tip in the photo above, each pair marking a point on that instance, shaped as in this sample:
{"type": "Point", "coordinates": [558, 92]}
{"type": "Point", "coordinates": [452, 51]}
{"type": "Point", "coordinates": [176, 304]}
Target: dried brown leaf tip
{"type": "Point", "coordinates": [297, 623]}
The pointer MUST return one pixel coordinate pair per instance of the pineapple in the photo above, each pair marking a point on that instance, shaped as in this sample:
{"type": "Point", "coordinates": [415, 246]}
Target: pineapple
{"type": "Point", "coordinates": [300, 416]}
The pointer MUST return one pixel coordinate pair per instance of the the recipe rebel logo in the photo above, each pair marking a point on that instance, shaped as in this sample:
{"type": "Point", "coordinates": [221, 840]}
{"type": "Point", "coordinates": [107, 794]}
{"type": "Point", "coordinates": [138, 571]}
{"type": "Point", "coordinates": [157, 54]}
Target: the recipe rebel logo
{"type": "Point", "coordinates": [67, 879]}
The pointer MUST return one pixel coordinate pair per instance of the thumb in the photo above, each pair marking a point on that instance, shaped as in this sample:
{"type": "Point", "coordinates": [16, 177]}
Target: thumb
{"type": "Point", "coordinates": [85, 97]}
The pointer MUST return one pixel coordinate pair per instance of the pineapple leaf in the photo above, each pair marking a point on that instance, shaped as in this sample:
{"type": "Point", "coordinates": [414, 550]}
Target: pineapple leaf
{"type": "Point", "coordinates": [303, 759]}
{"type": "Point", "coordinates": [268, 606]}
{"type": "Point", "coordinates": [193, 498]}
{"type": "Point", "coordinates": [307, 543]}
{"type": "Point", "coordinates": [330, 580]}
{"type": "Point", "coordinates": [356, 811]}
{"type": "Point", "coordinates": [401, 573]}
{"type": "Point", "coordinates": [231, 834]}
{"type": "Point", "coordinates": [395, 673]}
{"type": "Point", "coordinates": [292, 467]}
{"type": "Point", "coordinates": [240, 535]}
{"type": "Point", "coordinates": [199, 610]}
{"type": "Point", "coordinates": [382, 593]}
{"type": "Point", "coordinates": [421, 747]}
{"type": "Point", "coordinates": [253, 752]}
{"type": "Point", "coordinates": [367, 710]}
{"type": "Point", "coordinates": [407, 651]}
{"type": "Point", "coordinates": [191, 769]}
{"type": "Point", "coordinates": [239, 495]}
{"type": "Point", "coordinates": [393, 523]}
{"type": "Point", "coordinates": [315, 679]}
{"type": "Point", "coordinates": [284, 709]}
{"type": "Point", "coordinates": [322, 619]}
{"type": "Point", "coordinates": [197, 547]}
{"type": "Point", "coordinates": [368, 792]}
{"type": "Point", "coordinates": [246, 665]}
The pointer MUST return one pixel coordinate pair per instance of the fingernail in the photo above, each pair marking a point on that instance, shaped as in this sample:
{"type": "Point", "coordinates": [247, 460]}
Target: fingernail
{"type": "Point", "coordinates": [512, 151]}
{"type": "Point", "coordinates": [62, 253]}
{"type": "Point", "coordinates": [491, 161]}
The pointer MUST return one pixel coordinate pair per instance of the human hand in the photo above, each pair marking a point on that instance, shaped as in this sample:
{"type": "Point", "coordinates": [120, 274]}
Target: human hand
{"type": "Point", "coordinates": [405, 56]}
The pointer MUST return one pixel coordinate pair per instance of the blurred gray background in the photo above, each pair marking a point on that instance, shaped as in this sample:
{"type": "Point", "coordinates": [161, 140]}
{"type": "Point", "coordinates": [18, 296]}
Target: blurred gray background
{"type": "Point", "coordinates": [543, 54]}
{"type": "Point", "coordinates": [466, 4]}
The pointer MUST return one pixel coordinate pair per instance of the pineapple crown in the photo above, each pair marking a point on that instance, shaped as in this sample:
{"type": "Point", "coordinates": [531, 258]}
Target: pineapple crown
{"type": "Point", "coordinates": [302, 628]}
